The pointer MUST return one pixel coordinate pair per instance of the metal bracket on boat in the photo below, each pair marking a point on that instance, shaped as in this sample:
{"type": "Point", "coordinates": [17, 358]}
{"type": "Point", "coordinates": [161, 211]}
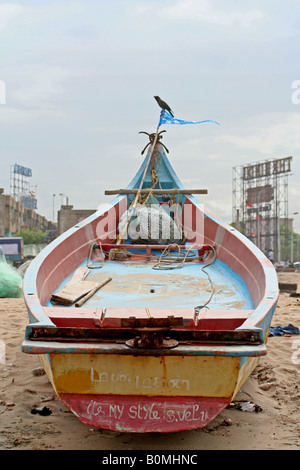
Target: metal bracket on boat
{"type": "Point", "coordinates": [152, 138]}
{"type": "Point", "coordinates": [150, 332]}
{"type": "Point", "coordinates": [152, 338]}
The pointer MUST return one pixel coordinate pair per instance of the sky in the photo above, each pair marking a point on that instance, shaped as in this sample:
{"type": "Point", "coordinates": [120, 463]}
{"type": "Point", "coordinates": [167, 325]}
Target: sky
{"type": "Point", "coordinates": [77, 80]}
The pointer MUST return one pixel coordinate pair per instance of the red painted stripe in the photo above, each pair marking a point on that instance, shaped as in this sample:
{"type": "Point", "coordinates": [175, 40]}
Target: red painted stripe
{"type": "Point", "coordinates": [144, 414]}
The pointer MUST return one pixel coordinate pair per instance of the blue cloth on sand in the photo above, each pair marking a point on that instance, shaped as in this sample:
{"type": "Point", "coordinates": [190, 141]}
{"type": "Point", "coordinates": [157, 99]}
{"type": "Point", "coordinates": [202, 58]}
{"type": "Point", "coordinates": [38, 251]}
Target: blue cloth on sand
{"type": "Point", "coordinates": [284, 330]}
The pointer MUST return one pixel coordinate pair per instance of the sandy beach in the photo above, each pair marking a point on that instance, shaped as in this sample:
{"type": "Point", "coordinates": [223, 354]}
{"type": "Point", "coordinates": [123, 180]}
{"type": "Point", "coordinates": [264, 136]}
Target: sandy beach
{"type": "Point", "coordinates": [274, 386]}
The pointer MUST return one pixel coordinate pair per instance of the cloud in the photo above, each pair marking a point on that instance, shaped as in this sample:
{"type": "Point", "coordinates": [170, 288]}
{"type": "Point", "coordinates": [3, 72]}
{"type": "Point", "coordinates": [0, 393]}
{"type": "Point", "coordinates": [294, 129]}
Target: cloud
{"type": "Point", "coordinates": [10, 116]}
{"type": "Point", "coordinates": [8, 11]}
{"type": "Point", "coordinates": [38, 92]}
{"type": "Point", "coordinates": [41, 84]}
{"type": "Point", "coordinates": [204, 11]}
{"type": "Point", "coordinates": [269, 134]}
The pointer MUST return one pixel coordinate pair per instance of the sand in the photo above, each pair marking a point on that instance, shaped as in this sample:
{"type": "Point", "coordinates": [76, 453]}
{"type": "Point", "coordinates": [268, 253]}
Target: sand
{"type": "Point", "coordinates": [274, 386]}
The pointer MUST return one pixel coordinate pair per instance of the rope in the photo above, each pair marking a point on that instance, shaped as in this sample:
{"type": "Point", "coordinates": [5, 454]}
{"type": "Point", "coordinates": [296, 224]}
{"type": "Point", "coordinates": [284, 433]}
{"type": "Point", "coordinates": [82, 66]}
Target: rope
{"type": "Point", "coordinates": [95, 246]}
{"type": "Point", "coordinates": [121, 237]}
{"type": "Point", "coordinates": [155, 180]}
{"type": "Point", "coordinates": [148, 312]}
{"type": "Point", "coordinates": [121, 252]}
{"type": "Point", "coordinates": [167, 261]}
{"type": "Point", "coordinates": [199, 307]}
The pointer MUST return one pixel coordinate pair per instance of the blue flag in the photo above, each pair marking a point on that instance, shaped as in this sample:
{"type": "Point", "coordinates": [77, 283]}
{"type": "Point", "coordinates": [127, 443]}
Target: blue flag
{"type": "Point", "coordinates": [166, 118]}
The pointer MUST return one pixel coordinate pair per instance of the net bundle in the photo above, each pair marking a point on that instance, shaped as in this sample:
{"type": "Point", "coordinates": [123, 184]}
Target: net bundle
{"type": "Point", "coordinates": [151, 224]}
{"type": "Point", "coordinates": [10, 281]}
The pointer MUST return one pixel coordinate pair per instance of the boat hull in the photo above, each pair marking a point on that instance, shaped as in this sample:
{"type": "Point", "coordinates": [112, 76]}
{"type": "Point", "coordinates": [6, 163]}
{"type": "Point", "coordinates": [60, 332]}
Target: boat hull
{"type": "Point", "coordinates": [147, 393]}
{"type": "Point", "coordinates": [100, 360]}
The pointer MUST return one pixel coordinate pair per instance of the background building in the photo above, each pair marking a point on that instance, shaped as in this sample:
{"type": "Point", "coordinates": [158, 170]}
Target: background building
{"type": "Point", "coordinates": [68, 217]}
{"type": "Point", "coordinates": [14, 215]}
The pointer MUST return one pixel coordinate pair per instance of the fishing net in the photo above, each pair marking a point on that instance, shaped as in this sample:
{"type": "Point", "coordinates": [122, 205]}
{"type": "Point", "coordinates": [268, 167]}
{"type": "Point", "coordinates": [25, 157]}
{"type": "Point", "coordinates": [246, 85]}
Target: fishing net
{"type": "Point", "coordinates": [10, 281]}
{"type": "Point", "coordinates": [152, 225]}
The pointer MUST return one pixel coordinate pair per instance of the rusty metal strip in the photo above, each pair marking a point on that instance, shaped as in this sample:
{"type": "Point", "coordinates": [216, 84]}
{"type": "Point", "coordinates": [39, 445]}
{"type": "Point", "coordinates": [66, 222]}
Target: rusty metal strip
{"type": "Point", "coordinates": [121, 335]}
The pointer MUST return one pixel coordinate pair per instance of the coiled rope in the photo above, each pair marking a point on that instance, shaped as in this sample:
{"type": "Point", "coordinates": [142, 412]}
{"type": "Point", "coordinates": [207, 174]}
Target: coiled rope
{"type": "Point", "coordinates": [169, 261]}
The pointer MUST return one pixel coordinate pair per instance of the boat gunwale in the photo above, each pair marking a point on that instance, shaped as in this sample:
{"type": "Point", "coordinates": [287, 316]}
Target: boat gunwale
{"type": "Point", "coordinates": [265, 306]}
{"type": "Point", "coordinates": [56, 347]}
{"type": "Point", "coordinates": [257, 316]}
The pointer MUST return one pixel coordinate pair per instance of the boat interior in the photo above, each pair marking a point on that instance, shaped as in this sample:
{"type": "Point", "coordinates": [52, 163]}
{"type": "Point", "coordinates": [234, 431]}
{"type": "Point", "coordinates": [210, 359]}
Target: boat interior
{"type": "Point", "coordinates": [203, 273]}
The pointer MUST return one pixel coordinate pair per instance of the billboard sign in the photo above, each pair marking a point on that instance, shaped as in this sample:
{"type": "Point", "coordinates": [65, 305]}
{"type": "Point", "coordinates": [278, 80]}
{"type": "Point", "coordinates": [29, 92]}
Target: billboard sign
{"type": "Point", "coordinates": [29, 202]}
{"type": "Point", "coordinates": [267, 168]}
{"type": "Point", "coordinates": [260, 194]}
{"type": "Point", "coordinates": [22, 170]}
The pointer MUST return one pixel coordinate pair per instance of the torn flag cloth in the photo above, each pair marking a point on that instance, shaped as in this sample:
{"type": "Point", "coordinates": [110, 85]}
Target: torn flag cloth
{"type": "Point", "coordinates": [166, 118]}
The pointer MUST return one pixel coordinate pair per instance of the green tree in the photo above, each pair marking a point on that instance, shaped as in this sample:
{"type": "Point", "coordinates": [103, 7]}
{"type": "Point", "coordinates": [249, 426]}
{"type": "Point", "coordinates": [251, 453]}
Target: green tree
{"type": "Point", "coordinates": [31, 237]}
{"type": "Point", "coordinates": [286, 237]}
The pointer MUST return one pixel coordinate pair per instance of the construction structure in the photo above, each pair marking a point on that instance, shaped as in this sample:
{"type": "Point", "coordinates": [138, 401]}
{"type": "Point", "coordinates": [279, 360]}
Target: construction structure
{"type": "Point", "coordinates": [20, 188]}
{"type": "Point", "coordinates": [260, 202]}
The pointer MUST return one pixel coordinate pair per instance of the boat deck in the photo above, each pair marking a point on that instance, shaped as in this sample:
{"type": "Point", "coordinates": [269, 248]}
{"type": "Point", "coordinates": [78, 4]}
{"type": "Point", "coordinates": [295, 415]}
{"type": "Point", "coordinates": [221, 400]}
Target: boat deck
{"type": "Point", "coordinates": [136, 285]}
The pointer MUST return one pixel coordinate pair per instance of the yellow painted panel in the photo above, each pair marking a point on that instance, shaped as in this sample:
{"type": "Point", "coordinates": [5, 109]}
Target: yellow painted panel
{"type": "Point", "coordinates": [44, 360]}
{"type": "Point", "coordinates": [245, 371]}
{"type": "Point", "coordinates": [145, 375]}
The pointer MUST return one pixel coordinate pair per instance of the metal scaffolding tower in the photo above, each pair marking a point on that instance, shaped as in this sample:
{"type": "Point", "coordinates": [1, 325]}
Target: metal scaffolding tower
{"type": "Point", "coordinates": [20, 186]}
{"type": "Point", "coordinates": [260, 201]}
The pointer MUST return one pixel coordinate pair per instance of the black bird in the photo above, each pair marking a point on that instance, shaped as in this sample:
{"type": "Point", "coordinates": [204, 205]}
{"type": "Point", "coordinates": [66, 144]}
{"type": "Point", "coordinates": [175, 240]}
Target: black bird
{"type": "Point", "coordinates": [163, 105]}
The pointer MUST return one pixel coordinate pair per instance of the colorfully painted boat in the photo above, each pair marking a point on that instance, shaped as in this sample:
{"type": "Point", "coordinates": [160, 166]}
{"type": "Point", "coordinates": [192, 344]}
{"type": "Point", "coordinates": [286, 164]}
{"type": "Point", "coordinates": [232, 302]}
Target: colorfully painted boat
{"type": "Point", "coordinates": [149, 315]}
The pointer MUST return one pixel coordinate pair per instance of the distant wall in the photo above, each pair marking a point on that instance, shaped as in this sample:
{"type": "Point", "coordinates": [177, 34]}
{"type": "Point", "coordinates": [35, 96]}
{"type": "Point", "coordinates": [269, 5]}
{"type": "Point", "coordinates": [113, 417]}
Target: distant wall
{"type": "Point", "coordinates": [68, 217]}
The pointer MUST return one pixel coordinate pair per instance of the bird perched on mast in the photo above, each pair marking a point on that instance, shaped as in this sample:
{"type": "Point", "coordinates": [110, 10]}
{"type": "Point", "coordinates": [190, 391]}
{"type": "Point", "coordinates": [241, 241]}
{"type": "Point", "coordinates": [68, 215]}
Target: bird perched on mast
{"type": "Point", "coordinates": [163, 105]}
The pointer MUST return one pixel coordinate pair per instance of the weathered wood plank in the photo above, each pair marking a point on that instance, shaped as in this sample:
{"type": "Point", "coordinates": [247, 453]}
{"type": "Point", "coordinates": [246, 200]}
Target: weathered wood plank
{"type": "Point", "coordinates": [75, 288]}
{"type": "Point", "coordinates": [109, 192]}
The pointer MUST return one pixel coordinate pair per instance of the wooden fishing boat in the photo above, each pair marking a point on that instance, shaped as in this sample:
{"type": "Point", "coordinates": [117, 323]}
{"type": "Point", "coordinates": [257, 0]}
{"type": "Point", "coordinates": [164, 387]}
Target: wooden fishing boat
{"type": "Point", "coordinates": [155, 332]}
